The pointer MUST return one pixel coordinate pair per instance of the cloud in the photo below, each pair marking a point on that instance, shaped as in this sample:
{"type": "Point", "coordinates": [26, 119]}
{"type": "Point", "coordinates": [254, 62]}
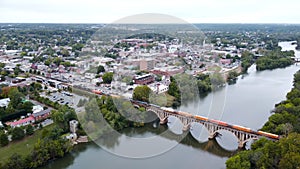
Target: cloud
{"type": "Point", "coordinates": [95, 11]}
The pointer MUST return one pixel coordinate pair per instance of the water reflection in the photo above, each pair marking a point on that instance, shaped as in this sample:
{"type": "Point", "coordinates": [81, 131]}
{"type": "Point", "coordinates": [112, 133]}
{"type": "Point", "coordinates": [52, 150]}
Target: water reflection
{"type": "Point", "coordinates": [248, 103]}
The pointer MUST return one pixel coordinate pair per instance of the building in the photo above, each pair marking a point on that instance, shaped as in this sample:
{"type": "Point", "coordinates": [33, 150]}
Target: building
{"type": "Point", "coordinates": [168, 71]}
{"type": "Point", "coordinates": [147, 64]}
{"type": "Point", "coordinates": [22, 122]}
{"type": "Point", "coordinates": [159, 88]}
{"type": "Point", "coordinates": [37, 108]}
{"type": "Point", "coordinates": [41, 115]}
{"type": "Point", "coordinates": [73, 126]}
{"type": "Point", "coordinates": [4, 102]}
{"type": "Point", "coordinates": [225, 61]}
{"type": "Point", "coordinates": [144, 79]}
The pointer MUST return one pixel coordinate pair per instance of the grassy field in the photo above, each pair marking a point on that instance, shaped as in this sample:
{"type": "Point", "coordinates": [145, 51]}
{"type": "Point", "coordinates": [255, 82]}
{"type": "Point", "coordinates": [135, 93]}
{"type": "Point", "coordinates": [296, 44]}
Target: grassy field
{"type": "Point", "coordinates": [22, 147]}
{"type": "Point", "coordinates": [214, 68]}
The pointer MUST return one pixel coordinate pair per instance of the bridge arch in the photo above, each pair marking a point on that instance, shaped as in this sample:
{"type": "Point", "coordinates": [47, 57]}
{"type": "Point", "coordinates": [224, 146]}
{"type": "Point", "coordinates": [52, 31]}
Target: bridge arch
{"type": "Point", "coordinates": [199, 132]}
{"type": "Point", "coordinates": [213, 126]}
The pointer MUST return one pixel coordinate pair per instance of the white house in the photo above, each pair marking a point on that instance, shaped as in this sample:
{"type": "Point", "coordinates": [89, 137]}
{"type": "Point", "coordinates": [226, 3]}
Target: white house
{"type": "Point", "coordinates": [159, 88]}
{"type": "Point", "coordinates": [4, 102]}
{"type": "Point", "coordinates": [37, 108]}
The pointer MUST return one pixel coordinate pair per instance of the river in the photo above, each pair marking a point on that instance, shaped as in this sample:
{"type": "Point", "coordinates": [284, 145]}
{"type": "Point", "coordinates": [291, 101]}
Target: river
{"type": "Point", "coordinates": [247, 103]}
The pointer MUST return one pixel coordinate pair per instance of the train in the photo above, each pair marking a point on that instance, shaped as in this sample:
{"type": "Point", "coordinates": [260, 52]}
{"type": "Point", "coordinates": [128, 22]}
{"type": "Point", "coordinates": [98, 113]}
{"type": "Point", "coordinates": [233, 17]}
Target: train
{"type": "Point", "coordinates": [176, 112]}
{"type": "Point", "coordinates": [97, 91]}
{"type": "Point", "coordinates": [201, 118]}
{"type": "Point", "coordinates": [270, 135]}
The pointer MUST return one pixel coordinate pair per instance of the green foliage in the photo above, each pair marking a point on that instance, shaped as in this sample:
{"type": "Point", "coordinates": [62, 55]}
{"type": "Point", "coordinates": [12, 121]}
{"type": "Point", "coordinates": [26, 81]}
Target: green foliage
{"type": "Point", "coordinates": [62, 116]}
{"type": "Point", "coordinates": [141, 93]}
{"type": "Point", "coordinates": [107, 77]}
{"type": "Point", "coordinates": [232, 75]}
{"type": "Point", "coordinates": [174, 90]}
{"type": "Point", "coordinates": [268, 154]}
{"type": "Point", "coordinates": [284, 120]}
{"type": "Point", "coordinates": [17, 133]}
{"type": "Point", "coordinates": [247, 60]}
{"type": "Point", "coordinates": [43, 151]}
{"type": "Point", "coordinates": [3, 139]}
{"type": "Point", "coordinates": [100, 69]}
{"type": "Point", "coordinates": [239, 161]}
{"type": "Point", "coordinates": [284, 153]}
{"type": "Point", "coordinates": [15, 162]}
{"type": "Point", "coordinates": [15, 97]}
{"type": "Point", "coordinates": [274, 59]}
{"type": "Point", "coordinates": [29, 130]}
{"type": "Point", "coordinates": [101, 115]}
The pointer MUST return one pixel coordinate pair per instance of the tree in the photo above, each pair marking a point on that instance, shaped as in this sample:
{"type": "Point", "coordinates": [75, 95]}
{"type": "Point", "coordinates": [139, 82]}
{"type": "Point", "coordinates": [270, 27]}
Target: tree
{"type": "Point", "coordinates": [173, 89]}
{"type": "Point", "coordinates": [232, 75]}
{"type": "Point", "coordinates": [3, 139]}
{"type": "Point", "coordinates": [15, 97]}
{"type": "Point", "coordinates": [29, 130]}
{"type": "Point", "coordinates": [17, 133]}
{"type": "Point", "coordinates": [15, 162]}
{"type": "Point", "coordinates": [237, 162]}
{"type": "Point", "coordinates": [141, 93]}
{"type": "Point", "coordinates": [100, 69]}
{"type": "Point", "coordinates": [107, 77]}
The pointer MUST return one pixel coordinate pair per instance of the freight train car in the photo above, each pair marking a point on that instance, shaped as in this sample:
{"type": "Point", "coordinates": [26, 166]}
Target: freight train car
{"type": "Point", "coordinates": [241, 128]}
{"type": "Point", "coordinates": [201, 118]}
{"type": "Point", "coordinates": [270, 135]}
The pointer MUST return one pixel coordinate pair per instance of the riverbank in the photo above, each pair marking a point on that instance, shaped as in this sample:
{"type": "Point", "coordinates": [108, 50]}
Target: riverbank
{"type": "Point", "coordinates": [233, 104]}
{"type": "Point", "coordinates": [283, 122]}
{"type": "Point", "coordinates": [24, 146]}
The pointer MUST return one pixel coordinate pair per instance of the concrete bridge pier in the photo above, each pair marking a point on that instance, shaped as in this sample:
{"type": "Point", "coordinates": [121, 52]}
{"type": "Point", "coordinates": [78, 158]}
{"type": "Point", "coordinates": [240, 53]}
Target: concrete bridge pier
{"type": "Point", "coordinates": [163, 120]}
{"type": "Point", "coordinates": [186, 127]}
{"type": "Point", "coordinates": [213, 135]}
{"type": "Point", "coordinates": [242, 144]}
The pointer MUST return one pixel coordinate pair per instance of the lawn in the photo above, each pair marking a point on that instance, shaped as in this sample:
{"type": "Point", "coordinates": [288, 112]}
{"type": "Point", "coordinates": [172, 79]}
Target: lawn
{"type": "Point", "coordinates": [22, 147]}
{"type": "Point", "coordinates": [214, 69]}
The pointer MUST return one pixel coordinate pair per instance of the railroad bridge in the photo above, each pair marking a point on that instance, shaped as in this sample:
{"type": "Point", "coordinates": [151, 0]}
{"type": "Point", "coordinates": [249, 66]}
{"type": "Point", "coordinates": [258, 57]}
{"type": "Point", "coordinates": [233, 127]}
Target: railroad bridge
{"type": "Point", "coordinates": [212, 127]}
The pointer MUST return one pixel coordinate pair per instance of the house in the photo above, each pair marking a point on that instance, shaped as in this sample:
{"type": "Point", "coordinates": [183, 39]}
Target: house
{"type": "Point", "coordinates": [22, 122]}
{"type": "Point", "coordinates": [41, 115]}
{"type": "Point", "coordinates": [4, 102]}
{"type": "Point", "coordinates": [225, 61]}
{"type": "Point", "coordinates": [159, 88]}
{"type": "Point", "coordinates": [144, 79]}
{"type": "Point", "coordinates": [37, 108]}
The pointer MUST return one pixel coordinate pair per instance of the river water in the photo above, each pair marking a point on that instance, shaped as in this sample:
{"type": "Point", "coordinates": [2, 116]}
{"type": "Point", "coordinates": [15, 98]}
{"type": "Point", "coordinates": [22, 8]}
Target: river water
{"type": "Point", "coordinates": [247, 103]}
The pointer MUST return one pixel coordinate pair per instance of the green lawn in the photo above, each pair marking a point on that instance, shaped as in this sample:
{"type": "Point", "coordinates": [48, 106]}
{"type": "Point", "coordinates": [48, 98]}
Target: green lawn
{"type": "Point", "coordinates": [22, 147]}
{"type": "Point", "coordinates": [215, 68]}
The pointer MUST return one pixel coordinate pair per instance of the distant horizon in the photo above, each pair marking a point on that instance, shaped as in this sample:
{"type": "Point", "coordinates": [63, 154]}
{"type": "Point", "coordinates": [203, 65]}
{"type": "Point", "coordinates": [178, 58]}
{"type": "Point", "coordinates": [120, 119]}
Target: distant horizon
{"type": "Point", "coordinates": [191, 11]}
{"type": "Point", "coordinates": [220, 23]}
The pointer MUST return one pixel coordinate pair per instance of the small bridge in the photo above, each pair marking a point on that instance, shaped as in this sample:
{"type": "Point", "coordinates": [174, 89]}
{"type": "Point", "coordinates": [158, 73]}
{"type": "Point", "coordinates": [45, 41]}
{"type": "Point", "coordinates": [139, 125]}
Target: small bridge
{"type": "Point", "coordinates": [243, 134]}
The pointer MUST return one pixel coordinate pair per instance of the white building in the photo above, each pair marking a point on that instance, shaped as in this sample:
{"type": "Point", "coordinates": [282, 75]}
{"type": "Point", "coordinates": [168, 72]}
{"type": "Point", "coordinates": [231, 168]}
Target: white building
{"type": "Point", "coordinates": [73, 126]}
{"type": "Point", "coordinates": [4, 102]}
{"type": "Point", "coordinates": [159, 88]}
{"type": "Point", "coordinates": [37, 108]}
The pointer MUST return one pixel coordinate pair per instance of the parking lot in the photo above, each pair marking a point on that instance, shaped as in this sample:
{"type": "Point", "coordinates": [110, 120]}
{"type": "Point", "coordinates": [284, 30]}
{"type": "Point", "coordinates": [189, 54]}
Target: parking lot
{"type": "Point", "coordinates": [65, 98]}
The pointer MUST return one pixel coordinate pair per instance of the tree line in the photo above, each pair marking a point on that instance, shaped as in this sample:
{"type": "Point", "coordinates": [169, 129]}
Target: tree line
{"type": "Point", "coordinates": [284, 153]}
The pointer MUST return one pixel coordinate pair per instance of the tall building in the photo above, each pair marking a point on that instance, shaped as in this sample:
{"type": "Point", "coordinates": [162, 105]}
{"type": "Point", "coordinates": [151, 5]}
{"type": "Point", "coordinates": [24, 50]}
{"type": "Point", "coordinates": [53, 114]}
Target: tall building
{"type": "Point", "coordinates": [73, 126]}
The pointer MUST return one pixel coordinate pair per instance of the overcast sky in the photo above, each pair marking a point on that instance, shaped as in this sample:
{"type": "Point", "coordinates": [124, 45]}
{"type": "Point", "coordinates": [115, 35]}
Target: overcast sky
{"type": "Point", "coordinates": [108, 11]}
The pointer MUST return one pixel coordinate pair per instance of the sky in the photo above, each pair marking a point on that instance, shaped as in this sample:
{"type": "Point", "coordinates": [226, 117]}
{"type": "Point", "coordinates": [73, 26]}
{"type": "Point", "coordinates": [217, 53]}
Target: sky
{"type": "Point", "coordinates": [109, 11]}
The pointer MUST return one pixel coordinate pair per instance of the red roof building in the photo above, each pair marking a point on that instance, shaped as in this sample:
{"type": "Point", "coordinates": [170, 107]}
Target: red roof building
{"type": "Point", "coordinates": [22, 122]}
